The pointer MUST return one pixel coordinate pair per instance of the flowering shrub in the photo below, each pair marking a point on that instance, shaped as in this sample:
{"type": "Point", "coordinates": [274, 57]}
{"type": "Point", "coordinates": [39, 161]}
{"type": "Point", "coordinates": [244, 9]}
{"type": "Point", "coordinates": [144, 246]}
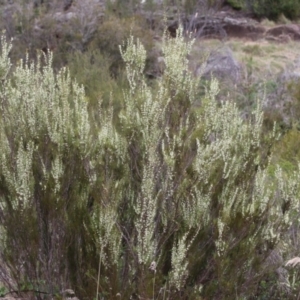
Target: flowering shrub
{"type": "Point", "coordinates": [164, 199]}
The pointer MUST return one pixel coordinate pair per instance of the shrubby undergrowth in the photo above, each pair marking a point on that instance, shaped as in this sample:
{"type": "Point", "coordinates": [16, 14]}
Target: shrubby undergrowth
{"type": "Point", "coordinates": [169, 198]}
{"type": "Point", "coordinates": [271, 9]}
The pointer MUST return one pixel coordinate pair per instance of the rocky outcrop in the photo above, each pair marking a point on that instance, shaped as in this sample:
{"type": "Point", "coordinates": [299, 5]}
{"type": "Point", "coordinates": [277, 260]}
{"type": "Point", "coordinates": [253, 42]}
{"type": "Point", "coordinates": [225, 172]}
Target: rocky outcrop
{"type": "Point", "coordinates": [243, 28]}
{"type": "Point", "coordinates": [219, 25]}
{"type": "Point", "coordinates": [290, 30]}
{"type": "Point", "coordinates": [225, 25]}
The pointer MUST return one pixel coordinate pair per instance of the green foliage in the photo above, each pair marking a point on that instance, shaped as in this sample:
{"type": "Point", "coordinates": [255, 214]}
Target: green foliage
{"type": "Point", "coordinates": [287, 149]}
{"type": "Point", "coordinates": [272, 9]}
{"type": "Point", "coordinates": [92, 70]}
{"type": "Point", "coordinates": [157, 195]}
{"type": "Point", "coordinates": [236, 4]}
{"type": "Point", "coordinates": [3, 291]}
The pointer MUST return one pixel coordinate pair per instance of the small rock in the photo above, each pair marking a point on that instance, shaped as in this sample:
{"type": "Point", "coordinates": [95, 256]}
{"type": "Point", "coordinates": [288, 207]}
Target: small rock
{"type": "Point", "coordinates": [221, 65]}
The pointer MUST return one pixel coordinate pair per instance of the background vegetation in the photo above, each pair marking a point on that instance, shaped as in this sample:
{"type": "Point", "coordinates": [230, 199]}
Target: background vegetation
{"type": "Point", "coordinates": [271, 9]}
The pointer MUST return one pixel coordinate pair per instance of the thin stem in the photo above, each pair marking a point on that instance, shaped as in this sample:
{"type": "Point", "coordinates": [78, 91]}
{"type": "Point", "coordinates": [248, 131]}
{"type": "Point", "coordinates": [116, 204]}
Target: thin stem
{"type": "Point", "coordinates": [99, 269]}
{"type": "Point", "coordinates": [154, 286]}
{"type": "Point", "coordinates": [164, 297]}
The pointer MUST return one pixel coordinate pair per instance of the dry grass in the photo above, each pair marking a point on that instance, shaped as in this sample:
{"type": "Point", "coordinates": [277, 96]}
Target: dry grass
{"type": "Point", "coordinates": [267, 57]}
{"type": "Point", "coordinates": [267, 23]}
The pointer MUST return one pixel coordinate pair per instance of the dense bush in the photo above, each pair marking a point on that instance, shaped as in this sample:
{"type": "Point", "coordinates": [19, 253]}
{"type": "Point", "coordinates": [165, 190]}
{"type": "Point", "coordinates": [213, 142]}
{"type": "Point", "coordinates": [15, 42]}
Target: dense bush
{"type": "Point", "coordinates": [113, 31]}
{"type": "Point", "coordinates": [92, 70]}
{"type": "Point", "coordinates": [123, 8]}
{"type": "Point", "coordinates": [272, 9]}
{"type": "Point", "coordinates": [236, 4]}
{"type": "Point", "coordinates": [166, 199]}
